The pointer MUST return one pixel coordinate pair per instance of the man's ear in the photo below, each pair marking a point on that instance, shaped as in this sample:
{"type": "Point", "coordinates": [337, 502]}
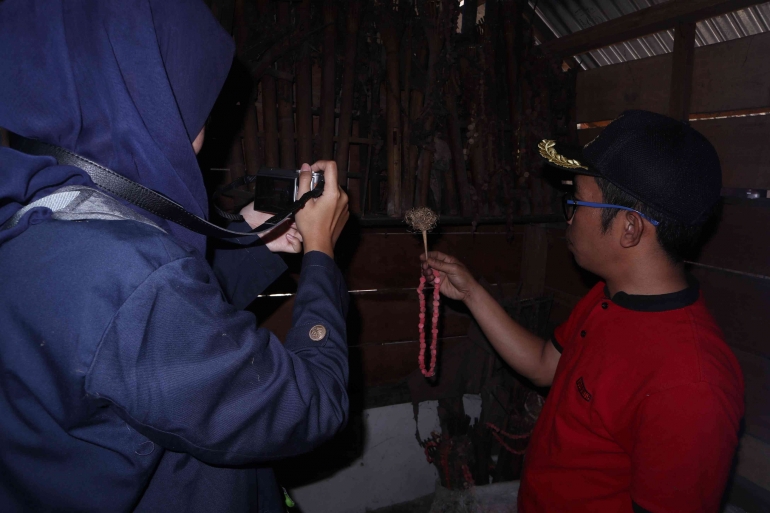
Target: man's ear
{"type": "Point", "coordinates": [633, 228]}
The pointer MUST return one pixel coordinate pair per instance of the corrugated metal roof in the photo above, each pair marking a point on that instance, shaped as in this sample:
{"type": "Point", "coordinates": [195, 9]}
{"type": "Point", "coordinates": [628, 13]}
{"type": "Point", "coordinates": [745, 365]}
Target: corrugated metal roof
{"type": "Point", "coordinates": [568, 16]}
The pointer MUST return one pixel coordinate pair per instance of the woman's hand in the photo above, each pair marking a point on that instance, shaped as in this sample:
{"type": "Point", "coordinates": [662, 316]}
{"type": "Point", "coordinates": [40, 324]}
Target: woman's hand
{"type": "Point", "coordinates": [456, 279]}
{"type": "Point", "coordinates": [322, 219]}
{"type": "Point", "coordinates": [284, 238]}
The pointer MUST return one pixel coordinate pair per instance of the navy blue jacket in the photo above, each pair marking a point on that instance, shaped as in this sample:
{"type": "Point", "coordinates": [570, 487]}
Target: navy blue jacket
{"type": "Point", "coordinates": [133, 380]}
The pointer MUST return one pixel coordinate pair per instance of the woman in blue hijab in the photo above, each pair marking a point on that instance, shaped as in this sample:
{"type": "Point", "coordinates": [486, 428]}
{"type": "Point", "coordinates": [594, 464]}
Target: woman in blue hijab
{"type": "Point", "coordinates": [130, 376]}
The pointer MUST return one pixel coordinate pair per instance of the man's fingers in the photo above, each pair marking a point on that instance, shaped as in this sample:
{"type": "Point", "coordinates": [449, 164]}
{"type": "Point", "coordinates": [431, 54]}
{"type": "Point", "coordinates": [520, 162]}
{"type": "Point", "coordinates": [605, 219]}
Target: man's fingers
{"type": "Point", "coordinates": [304, 180]}
{"type": "Point", "coordinates": [440, 265]}
{"type": "Point", "coordinates": [438, 255]}
{"type": "Point", "coordinates": [329, 167]}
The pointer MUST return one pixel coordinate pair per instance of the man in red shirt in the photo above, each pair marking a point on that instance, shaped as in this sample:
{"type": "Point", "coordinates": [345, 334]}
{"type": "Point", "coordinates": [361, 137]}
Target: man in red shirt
{"type": "Point", "coordinates": [646, 398]}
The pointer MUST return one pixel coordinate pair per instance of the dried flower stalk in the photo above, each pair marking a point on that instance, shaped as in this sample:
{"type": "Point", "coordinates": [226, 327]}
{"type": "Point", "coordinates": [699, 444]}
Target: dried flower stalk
{"type": "Point", "coordinates": [422, 219]}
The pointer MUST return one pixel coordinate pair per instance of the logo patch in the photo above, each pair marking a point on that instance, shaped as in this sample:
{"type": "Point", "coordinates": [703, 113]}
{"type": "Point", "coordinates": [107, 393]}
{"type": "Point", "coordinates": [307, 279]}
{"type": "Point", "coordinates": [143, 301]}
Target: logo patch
{"type": "Point", "coordinates": [582, 389]}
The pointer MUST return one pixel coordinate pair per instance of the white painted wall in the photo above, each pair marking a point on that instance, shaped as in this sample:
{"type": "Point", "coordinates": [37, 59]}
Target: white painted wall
{"type": "Point", "coordinates": [392, 469]}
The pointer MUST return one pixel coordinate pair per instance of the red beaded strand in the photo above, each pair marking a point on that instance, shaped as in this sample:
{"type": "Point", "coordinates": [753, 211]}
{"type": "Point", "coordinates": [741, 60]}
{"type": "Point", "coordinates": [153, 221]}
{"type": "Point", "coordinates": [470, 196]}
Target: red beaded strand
{"type": "Point", "coordinates": [421, 324]}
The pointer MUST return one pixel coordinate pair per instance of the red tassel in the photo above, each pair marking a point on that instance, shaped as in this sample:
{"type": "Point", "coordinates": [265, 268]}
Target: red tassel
{"type": "Point", "coordinates": [421, 325]}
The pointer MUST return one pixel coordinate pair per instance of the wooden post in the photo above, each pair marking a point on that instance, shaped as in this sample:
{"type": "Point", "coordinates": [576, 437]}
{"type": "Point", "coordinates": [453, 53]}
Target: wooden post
{"type": "Point", "coordinates": [415, 109]}
{"type": "Point", "coordinates": [372, 177]}
{"type": "Point", "coordinates": [681, 72]}
{"type": "Point", "coordinates": [250, 128]}
{"type": "Point", "coordinates": [304, 91]}
{"type": "Point", "coordinates": [270, 121]}
{"type": "Point", "coordinates": [435, 34]}
{"type": "Point", "coordinates": [470, 8]}
{"type": "Point", "coordinates": [512, 37]}
{"type": "Point", "coordinates": [285, 98]}
{"type": "Point", "coordinates": [456, 146]}
{"type": "Point", "coordinates": [407, 195]}
{"type": "Point", "coordinates": [327, 82]}
{"type": "Point", "coordinates": [492, 102]}
{"type": "Point", "coordinates": [269, 113]}
{"type": "Point", "coordinates": [346, 104]}
{"type": "Point", "coordinates": [390, 38]}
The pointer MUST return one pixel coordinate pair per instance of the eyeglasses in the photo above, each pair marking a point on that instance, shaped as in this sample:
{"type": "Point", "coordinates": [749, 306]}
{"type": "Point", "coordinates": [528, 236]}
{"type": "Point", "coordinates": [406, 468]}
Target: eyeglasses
{"type": "Point", "coordinates": [569, 205]}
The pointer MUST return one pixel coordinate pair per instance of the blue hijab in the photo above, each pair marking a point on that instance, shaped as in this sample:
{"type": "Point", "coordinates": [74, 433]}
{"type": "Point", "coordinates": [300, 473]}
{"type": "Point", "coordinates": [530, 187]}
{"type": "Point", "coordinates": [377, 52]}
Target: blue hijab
{"type": "Point", "coordinates": [126, 83]}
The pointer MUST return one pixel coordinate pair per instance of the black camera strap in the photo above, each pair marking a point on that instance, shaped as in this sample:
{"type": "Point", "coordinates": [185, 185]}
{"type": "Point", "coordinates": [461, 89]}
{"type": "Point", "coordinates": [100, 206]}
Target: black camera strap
{"type": "Point", "coordinates": [153, 201]}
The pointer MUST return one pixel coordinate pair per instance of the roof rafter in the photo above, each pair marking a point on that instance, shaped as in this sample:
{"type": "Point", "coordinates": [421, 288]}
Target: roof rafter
{"type": "Point", "coordinates": [641, 23]}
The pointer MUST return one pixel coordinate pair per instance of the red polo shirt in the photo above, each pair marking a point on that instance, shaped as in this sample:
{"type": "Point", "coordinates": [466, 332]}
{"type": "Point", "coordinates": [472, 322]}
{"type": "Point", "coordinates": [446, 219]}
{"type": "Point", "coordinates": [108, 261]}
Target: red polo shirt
{"type": "Point", "coordinates": [645, 406]}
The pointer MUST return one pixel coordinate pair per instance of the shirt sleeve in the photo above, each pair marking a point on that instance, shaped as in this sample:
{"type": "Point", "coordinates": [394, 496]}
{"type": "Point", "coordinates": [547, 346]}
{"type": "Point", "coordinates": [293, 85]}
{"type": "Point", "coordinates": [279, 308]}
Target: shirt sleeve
{"type": "Point", "coordinates": [194, 374]}
{"type": "Point", "coordinates": [243, 266]}
{"type": "Point", "coordinates": [684, 444]}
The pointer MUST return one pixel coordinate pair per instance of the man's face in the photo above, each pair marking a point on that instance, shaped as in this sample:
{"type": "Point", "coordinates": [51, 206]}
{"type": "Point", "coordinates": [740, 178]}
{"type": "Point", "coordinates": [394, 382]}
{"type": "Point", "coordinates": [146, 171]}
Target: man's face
{"type": "Point", "coordinates": [590, 247]}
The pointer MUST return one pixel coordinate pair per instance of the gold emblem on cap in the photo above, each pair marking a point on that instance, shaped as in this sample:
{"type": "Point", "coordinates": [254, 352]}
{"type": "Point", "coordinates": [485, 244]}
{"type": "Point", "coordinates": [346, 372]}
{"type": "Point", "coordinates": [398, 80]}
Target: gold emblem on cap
{"type": "Point", "coordinates": [548, 151]}
{"type": "Point", "coordinates": [317, 332]}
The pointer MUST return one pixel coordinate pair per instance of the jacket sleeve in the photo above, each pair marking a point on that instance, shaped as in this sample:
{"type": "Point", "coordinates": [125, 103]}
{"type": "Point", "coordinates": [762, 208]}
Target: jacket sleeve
{"type": "Point", "coordinates": [194, 374]}
{"type": "Point", "coordinates": [243, 266]}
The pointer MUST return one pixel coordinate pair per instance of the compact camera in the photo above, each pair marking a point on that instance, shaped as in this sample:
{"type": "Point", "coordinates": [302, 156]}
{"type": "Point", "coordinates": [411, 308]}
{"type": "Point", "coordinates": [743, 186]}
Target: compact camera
{"type": "Point", "coordinates": [275, 190]}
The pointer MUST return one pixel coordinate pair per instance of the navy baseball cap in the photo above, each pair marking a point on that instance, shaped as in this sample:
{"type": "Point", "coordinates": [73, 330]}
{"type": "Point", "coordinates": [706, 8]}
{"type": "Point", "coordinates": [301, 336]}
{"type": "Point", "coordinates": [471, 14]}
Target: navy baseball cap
{"type": "Point", "coordinates": [664, 163]}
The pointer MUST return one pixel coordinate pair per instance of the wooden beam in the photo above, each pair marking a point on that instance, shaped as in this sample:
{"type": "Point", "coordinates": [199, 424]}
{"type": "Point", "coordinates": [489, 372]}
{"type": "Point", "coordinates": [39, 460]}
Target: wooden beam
{"type": "Point", "coordinates": [285, 90]}
{"type": "Point", "coordinates": [729, 76]}
{"type": "Point", "coordinates": [327, 81]}
{"type": "Point", "coordinates": [544, 34]}
{"type": "Point", "coordinates": [304, 98]}
{"type": "Point", "coordinates": [641, 23]}
{"type": "Point", "coordinates": [346, 103]}
{"type": "Point", "coordinates": [681, 71]}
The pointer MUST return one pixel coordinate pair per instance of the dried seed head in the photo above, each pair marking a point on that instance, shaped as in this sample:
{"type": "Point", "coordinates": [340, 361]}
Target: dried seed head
{"type": "Point", "coordinates": [421, 219]}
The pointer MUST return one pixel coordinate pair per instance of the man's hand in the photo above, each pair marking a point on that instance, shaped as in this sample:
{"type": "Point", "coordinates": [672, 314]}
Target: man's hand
{"type": "Point", "coordinates": [284, 238]}
{"type": "Point", "coordinates": [322, 219]}
{"type": "Point", "coordinates": [529, 355]}
{"type": "Point", "coordinates": [456, 279]}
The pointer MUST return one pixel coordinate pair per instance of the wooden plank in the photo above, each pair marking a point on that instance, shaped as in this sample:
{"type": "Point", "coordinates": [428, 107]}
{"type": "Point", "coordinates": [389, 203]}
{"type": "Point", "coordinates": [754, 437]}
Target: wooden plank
{"type": "Point", "coordinates": [732, 75]}
{"type": "Point", "coordinates": [605, 92]}
{"type": "Point", "coordinates": [640, 23]}
{"type": "Point", "coordinates": [392, 317]}
{"type": "Point", "coordinates": [740, 242]}
{"type": "Point", "coordinates": [534, 260]}
{"type": "Point", "coordinates": [373, 318]}
{"type": "Point", "coordinates": [740, 305]}
{"type": "Point", "coordinates": [756, 376]}
{"type": "Point", "coordinates": [754, 461]}
{"type": "Point", "coordinates": [741, 143]}
{"type": "Point", "coordinates": [390, 259]}
{"type": "Point", "coordinates": [681, 74]}
{"type": "Point", "coordinates": [728, 76]}
{"type": "Point", "coordinates": [376, 365]}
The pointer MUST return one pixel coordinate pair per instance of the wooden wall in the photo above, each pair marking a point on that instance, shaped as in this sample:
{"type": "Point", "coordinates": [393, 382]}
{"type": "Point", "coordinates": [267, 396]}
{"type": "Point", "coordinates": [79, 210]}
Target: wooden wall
{"type": "Point", "coordinates": [382, 270]}
{"type": "Point", "coordinates": [381, 264]}
{"type": "Point", "coordinates": [731, 81]}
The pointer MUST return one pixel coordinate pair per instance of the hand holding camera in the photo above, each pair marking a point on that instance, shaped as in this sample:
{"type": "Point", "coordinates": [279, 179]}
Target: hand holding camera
{"type": "Point", "coordinates": [322, 219]}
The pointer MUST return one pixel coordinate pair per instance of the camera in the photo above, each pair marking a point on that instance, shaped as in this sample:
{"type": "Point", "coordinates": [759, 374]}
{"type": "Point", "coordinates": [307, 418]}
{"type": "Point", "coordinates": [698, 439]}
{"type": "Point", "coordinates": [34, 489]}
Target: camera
{"type": "Point", "coordinates": [275, 190]}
